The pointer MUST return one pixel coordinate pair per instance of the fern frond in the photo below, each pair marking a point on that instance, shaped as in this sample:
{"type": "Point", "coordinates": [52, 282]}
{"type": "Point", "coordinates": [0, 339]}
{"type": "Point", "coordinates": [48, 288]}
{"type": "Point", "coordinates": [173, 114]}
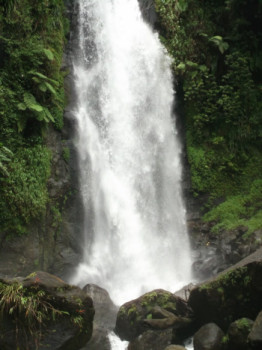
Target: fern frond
{"type": "Point", "coordinates": [49, 54]}
{"type": "Point", "coordinates": [31, 103]}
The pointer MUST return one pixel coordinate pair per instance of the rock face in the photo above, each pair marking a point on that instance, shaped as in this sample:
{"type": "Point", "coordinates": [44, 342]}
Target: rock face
{"type": "Point", "coordinates": [148, 11]}
{"type": "Point", "coordinates": [43, 312]}
{"type": "Point", "coordinates": [157, 310]}
{"type": "Point", "coordinates": [215, 253]}
{"type": "Point", "coordinates": [208, 337]}
{"type": "Point", "coordinates": [255, 336]}
{"type": "Point", "coordinates": [105, 317]}
{"type": "Point", "coordinates": [234, 294]}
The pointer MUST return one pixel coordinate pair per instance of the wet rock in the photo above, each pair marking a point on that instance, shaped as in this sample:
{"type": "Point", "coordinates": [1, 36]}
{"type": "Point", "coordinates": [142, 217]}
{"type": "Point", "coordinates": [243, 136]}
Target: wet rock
{"type": "Point", "coordinates": [235, 293]}
{"type": "Point", "coordinates": [46, 314]}
{"type": "Point", "coordinates": [185, 291]}
{"type": "Point", "coordinates": [208, 337]}
{"type": "Point", "coordinates": [151, 310]}
{"type": "Point", "coordinates": [148, 11]}
{"type": "Point", "coordinates": [175, 347]}
{"type": "Point", "coordinates": [153, 340]}
{"type": "Point", "coordinates": [104, 320]}
{"type": "Point", "coordinates": [238, 332]}
{"type": "Point", "coordinates": [255, 336]}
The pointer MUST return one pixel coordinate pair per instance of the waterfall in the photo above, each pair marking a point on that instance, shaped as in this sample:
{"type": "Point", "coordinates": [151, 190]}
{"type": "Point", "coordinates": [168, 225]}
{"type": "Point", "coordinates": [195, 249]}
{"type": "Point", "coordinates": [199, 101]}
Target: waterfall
{"type": "Point", "coordinates": [129, 154]}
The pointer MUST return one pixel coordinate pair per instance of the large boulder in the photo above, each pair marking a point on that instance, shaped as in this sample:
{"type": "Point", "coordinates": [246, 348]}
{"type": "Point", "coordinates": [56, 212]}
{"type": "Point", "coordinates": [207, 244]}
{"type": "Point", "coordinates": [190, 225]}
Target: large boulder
{"type": "Point", "coordinates": [238, 332]}
{"type": "Point", "coordinates": [42, 311]}
{"type": "Point", "coordinates": [209, 337]}
{"type": "Point", "coordinates": [255, 336]}
{"type": "Point", "coordinates": [235, 293]}
{"type": "Point", "coordinates": [157, 310]}
{"type": "Point", "coordinates": [105, 317]}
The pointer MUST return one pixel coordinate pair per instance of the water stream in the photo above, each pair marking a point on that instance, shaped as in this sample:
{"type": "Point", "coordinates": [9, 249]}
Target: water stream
{"type": "Point", "coordinates": [135, 232]}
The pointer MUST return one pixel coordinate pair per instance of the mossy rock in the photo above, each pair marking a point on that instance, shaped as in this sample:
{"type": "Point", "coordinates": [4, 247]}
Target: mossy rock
{"type": "Point", "coordinates": [43, 312]}
{"type": "Point", "coordinates": [238, 334]}
{"type": "Point", "coordinates": [232, 295]}
{"type": "Point", "coordinates": [130, 318]}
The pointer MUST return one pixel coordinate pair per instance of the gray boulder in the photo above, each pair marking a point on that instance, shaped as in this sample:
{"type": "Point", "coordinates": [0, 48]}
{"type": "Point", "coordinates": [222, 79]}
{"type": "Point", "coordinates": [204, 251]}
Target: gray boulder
{"type": "Point", "coordinates": [208, 337]}
{"type": "Point", "coordinates": [104, 320]}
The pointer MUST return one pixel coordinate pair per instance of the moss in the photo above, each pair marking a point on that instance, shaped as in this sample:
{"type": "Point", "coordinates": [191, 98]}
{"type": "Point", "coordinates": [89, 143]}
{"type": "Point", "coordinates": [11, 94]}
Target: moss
{"type": "Point", "coordinates": [244, 324]}
{"type": "Point", "coordinates": [163, 299]}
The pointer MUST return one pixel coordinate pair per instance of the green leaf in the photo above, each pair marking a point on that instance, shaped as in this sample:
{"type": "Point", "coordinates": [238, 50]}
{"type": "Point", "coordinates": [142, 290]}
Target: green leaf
{"type": "Point", "coordinates": [36, 80]}
{"type": "Point", "coordinates": [42, 76]}
{"type": "Point", "coordinates": [216, 38]}
{"type": "Point", "coordinates": [42, 87]}
{"type": "Point", "coordinates": [49, 115]}
{"type": "Point", "coordinates": [191, 64]}
{"type": "Point", "coordinates": [203, 68]}
{"type": "Point", "coordinates": [50, 88]}
{"type": "Point", "coordinates": [21, 123]}
{"type": "Point", "coordinates": [36, 107]}
{"type": "Point", "coordinates": [181, 5]}
{"type": "Point", "coordinates": [49, 54]}
{"type": "Point", "coordinates": [31, 103]}
{"type": "Point", "coordinates": [41, 116]}
{"type": "Point", "coordinates": [21, 106]}
{"type": "Point", "coordinates": [181, 66]}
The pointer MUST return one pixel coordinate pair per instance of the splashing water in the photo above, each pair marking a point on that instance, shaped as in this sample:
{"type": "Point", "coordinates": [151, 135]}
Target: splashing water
{"type": "Point", "coordinates": [136, 238]}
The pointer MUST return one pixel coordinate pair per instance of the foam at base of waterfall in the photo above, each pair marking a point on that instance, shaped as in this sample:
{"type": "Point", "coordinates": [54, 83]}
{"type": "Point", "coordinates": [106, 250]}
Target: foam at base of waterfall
{"type": "Point", "coordinates": [116, 343]}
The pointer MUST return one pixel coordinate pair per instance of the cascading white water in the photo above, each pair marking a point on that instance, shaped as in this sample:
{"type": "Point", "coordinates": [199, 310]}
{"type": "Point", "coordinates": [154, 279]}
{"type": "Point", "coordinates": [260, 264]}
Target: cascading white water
{"type": "Point", "coordinates": [136, 237]}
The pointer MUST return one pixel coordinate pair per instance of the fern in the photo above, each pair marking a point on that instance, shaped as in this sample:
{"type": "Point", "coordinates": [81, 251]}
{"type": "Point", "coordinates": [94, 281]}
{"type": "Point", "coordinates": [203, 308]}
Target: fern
{"type": "Point", "coordinates": [49, 54]}
{"type": "Point", "coordinates": [44, 77]}
{"type": "Point", "coordinates": [40, 112]}
{"type": "Point", "coordinates": [5, 157]}
{"type": "Point", "coordinates": [31, 103]}
{"type": "Point", "coordinates": [50, 88]}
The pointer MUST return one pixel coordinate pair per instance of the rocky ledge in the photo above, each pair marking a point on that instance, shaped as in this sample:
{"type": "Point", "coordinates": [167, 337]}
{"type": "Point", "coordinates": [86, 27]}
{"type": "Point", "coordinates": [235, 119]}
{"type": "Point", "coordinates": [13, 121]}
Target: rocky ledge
{"type": "Point", "coordinates": [43, 312]}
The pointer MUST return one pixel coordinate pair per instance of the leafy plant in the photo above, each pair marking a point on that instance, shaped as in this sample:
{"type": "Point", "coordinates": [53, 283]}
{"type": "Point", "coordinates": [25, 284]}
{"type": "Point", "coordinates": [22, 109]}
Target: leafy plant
{"type": "Point", "coordinates": [31, 98]}
{"type": "Point", "coordinates": [219, 78]}
{"type": "Point", "coordinates": [5, 157]}
{"type": "Point", "coordinates": [220, 43]}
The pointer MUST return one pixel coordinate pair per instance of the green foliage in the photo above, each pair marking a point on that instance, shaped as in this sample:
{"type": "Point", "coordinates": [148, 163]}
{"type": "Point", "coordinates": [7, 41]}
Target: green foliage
{"type": "Point", "coordinates": [239, 210]}
{"type": "Point", "coordinates": [217, 58]}
{"type": "Point", "coordinates": [220, 43]}
{"type": "Point", "coordinates": [24, 193]}
{"type": "Point", "coordinates": [32, 36]}
{"type": "Point", "coordinates": [244, 324]}
{"type": "Point", "coordinates": [5, 157]}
